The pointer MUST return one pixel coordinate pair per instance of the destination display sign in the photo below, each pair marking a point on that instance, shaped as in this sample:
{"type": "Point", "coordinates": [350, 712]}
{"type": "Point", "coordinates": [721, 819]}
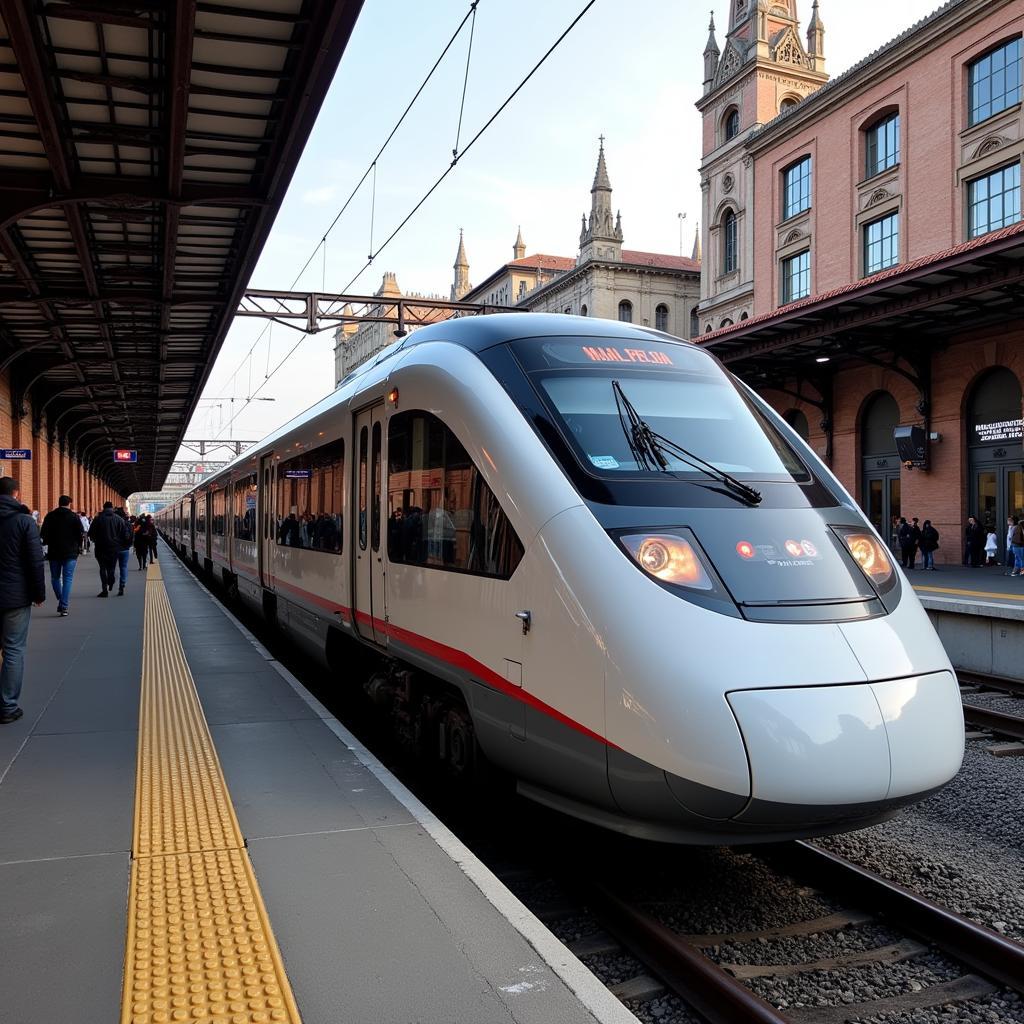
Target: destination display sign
{"type": "Point", "coordinates": [16, 453]}
{"type": "Point", "coordinates": [125, 455]}
{"type": "Point", "coordinates": [298, 474]}
{"type": "Point", "coordinates": [638, 354]}
{"type": "Point", "coordinates": [999, 432]}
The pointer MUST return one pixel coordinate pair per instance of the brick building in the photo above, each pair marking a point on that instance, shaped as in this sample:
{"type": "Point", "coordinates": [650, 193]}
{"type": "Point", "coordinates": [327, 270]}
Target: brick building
{"type": "Point", "coordinates": [51, 471]}
{"type": "Point", "coordinates": [864, 251]}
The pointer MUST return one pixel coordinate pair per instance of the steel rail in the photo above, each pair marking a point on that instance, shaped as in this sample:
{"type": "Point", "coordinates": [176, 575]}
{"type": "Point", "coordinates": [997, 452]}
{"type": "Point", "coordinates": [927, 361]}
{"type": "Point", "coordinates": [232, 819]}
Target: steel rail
{"type": "Point", "coordinates": [710, 990]}
{"type": "Point", "coordinates": [991, 954]}
{"type": "Point", "coordinates": [996, 721]}
{"type": "Point", "coordinates": [989, 682]}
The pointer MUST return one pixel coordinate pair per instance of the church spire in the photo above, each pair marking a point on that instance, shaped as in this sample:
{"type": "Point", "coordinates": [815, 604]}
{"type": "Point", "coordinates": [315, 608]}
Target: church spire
{"type": "Point", "coordinates": [711, 55]}
{"type": "Point", "coordinates": [461, 283]}
{"type": "Point", "coordinates": [816, 39]}
{"type": "Point", "coordinates": [696, 255]}
{"type": "Point", "coordinates": [601, 237]}
{"type": "Point", "coordinates": [520, 246]}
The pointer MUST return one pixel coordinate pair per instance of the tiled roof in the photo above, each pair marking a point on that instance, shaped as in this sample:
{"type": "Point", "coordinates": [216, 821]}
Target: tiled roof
{"type": "Point", "coordinates": [661, 260]}
{"type": "Point", "coordinates": [544, 262]}
{"type": "Point", "coordinates": [867, 284]}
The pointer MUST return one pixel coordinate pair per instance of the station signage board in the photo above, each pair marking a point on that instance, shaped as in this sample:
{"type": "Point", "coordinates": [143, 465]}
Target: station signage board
{"type": "Point", "coordinates": [1000, 432]}
{"type": "Point", "coordinates": [125, 455]}
{"type": "Point", "coordinates": [24, 454]}
{"type": "Point", "coordinates": [298, 474]}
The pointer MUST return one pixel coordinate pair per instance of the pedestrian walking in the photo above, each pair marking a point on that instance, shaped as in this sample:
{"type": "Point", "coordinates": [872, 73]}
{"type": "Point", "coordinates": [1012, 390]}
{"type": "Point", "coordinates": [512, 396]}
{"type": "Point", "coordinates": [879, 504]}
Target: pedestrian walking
{"type": "Point", "coordinates": [1017, 546]}
{"type": "Point", "coordinates": [974, 540]}
{"type": "Point", "coordinates": [140, 541]}
{"type": "Point", "coordinates": [62, 535]}
{"type": "Point", "coordinates": [110, 536]}
{"type": "Point", "coordinates": [85, 521]}
{"type": "Point", "coordinates": [1010, 524]}
{"type": "Point", "coordinates": [929, 545]}
{"type": "Point", "coordinates": [22, 584]}
{"type": "Point", "coordinates": [153, 537]}
{"type": "Point", "coordinates": [125, 554]}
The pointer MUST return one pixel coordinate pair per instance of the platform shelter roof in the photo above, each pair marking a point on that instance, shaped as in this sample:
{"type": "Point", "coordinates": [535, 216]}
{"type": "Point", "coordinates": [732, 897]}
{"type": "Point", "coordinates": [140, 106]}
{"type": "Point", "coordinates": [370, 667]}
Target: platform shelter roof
{"type": "Point", "coordinates": [145, 148]}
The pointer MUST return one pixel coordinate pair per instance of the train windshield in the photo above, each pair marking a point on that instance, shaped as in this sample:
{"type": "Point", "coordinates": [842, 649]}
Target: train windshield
{"type": "Point", "coordinates": [680, 392]}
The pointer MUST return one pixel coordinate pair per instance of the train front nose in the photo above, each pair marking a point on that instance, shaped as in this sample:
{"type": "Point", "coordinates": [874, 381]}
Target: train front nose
{"type": "Point", "coordinates": [823, 752]}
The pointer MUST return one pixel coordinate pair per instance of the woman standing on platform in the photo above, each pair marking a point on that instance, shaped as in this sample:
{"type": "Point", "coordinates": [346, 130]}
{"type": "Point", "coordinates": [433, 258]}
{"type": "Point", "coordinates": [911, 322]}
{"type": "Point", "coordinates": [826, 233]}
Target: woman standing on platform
{"type": "Point", "coordinates": [140, 541]}
{"type": "Point", "coordinates": [929, 543]}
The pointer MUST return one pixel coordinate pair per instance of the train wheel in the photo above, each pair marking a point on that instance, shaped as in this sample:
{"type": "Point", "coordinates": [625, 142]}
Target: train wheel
{"type": "Point", "coordinates": [460, 749]}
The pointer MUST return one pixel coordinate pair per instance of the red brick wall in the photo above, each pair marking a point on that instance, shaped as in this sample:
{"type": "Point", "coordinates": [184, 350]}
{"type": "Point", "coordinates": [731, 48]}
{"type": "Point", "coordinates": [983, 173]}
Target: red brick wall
{"type": "Point", "coordinates": [941, 494]}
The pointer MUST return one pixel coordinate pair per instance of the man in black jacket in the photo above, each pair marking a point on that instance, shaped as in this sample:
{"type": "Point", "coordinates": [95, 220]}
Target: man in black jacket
{"type": "Point", "coordinates": [62, 534]}
{"type": "Point", "coordinates": [22, 584]}
{"type": "Point", "coordinates": [110, 536]}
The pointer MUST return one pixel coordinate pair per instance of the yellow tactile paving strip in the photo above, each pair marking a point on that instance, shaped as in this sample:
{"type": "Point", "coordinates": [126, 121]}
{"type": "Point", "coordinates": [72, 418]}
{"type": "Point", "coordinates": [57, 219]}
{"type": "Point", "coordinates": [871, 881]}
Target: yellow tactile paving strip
{"type": "Point", "coordinates": [199, 946]}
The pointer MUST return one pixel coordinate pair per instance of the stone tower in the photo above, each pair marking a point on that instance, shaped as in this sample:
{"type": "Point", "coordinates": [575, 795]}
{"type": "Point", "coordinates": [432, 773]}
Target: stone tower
{"type": "Point", "coordinates": [762, 70]}
{"type": "Point", "coordinates": [461, 283]}
{"type": "Point", "coordinates": [601, 236]}
{"type": "Point", "coordinates": [520, 246]}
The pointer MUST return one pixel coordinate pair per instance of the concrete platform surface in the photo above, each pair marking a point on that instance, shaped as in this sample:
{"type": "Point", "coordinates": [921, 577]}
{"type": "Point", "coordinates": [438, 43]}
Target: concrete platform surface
{"type": "Point", "coordinates": [379, 912]}
{"type": "Point", "coordinates": [986, 591]}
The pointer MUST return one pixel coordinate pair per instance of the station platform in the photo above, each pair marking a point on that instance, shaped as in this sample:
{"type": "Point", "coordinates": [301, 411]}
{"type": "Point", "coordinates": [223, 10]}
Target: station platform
{"type": "Point", "coordinates": [985, 591]}
{"type": "Point", "coordinates": [187, 835]}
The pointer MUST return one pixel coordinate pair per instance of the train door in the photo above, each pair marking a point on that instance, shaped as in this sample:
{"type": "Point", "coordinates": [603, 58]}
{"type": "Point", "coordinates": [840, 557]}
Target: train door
{"type": "Point", "coordinates": [367, 543]}
{"type": "Point", "coordinates": [268, 528]}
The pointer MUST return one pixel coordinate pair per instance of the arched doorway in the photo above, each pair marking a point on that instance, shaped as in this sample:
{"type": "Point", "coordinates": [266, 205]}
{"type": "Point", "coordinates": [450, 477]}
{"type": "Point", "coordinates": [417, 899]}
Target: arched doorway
{"type": "Point", "coordinates": [995, 456]}
{"type": "Point", "coordinates": [880, 465]}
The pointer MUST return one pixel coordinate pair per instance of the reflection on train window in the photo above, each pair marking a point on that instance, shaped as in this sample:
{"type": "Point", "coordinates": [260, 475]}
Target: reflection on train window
{"type": "Point", "coordinates": [441, 513]}
{"type": "Point", "coordinates": [245, 508]}
{"type": "Point", "coordinates": [362, 488]}
{"type": "Point", "coordinates": [217, 501]}
{"type": "Point", "coordinates": [375, 510]}
{"type": "Point", "coordinates": [200, 514]}
{"type": "Point", "coordinates": [309, 499]}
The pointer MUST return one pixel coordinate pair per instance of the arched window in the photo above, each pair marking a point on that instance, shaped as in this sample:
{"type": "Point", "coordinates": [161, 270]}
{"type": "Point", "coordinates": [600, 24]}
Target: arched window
{"type": "Point", "coordinates": [725, 323]}
{"type": "Point", "coordinates": [708, 329]}
{"type": "Point", "coordinates": [730, 257]}
{"type": "Point", "coordinates": [626, 311]}
{"type": "Point", "coordinates": [798, 421]}
{"type": "Point", "coordinates": [661, 318]}
{"type": "Point", "coordinates": [694, 323]}
{"type": "Point", "coordinates": [732, 124]}
{"type": "Point", "coordinates": [744, 316]}
{"type": "Point", "coordinates": [994, 448]}
{"type": "Point", "coordinates": [881, 417]}
{"type": "Point", "coordinates": [788, 102]}
{"type": "Point", "coordinates": [583, 309]}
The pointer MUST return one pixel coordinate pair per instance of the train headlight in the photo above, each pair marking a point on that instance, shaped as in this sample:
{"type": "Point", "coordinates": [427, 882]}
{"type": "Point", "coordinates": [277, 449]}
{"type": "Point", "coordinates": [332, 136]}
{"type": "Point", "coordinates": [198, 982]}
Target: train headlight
{"type": "Point", "coordinates": [870, 555]}
{"type": "Point", "coordinates": [670, 558]}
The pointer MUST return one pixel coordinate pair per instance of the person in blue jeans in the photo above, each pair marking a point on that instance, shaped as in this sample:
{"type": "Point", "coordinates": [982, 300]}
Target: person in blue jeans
{"type": "Point", "coordinates": [62, 534]}
{"type": "Point", "coordinates": [22, 584]}
{"type": "Point", "coordinates": [125, 554]}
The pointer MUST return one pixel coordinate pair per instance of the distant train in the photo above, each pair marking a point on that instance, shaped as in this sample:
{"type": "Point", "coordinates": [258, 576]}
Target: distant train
{"type": "Point", "coordinates": [584, 550]}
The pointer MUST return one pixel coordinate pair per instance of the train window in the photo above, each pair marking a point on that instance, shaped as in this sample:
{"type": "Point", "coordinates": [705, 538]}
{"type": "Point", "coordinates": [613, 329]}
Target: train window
{"type": "Point", "coordinates": [309, 495]}
{"type": "Point", "coordinates": [362, 488]}
{"type": "Point", "coordinates": [217, 502]}
{"type": "Point", "coordinates": [245, 508]}
{"type": "Point", "coordinates": [441, 513]}
{"type": "Point", "coordinates": [200, 513]}
{"type": "Point", "coordinates": [375, 509]}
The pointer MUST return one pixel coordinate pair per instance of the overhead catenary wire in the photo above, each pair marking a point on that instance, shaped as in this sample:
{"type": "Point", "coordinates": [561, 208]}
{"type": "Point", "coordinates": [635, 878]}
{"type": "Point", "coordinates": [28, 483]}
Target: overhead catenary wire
{"type": "Point", "coordinates": [470, 13]}
{"type": "Point", "coordinates": [433, 188]}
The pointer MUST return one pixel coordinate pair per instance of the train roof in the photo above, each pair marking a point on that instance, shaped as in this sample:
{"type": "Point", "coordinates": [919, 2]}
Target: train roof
{"type": "Point", "coordinates": [482, 332]}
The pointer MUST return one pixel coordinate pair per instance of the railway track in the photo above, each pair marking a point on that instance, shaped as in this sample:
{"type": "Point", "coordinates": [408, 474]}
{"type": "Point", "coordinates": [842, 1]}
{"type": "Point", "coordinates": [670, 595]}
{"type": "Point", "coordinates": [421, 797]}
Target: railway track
{"type": "Point", "coordinates": [987, 718]}
{"type": "Point", "coordinates": [720, 992]}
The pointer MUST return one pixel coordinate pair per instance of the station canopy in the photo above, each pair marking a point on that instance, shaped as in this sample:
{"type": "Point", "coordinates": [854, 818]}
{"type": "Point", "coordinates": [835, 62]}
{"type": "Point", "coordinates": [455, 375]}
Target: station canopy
{"type": "Point", "coordinates": [145, 148]}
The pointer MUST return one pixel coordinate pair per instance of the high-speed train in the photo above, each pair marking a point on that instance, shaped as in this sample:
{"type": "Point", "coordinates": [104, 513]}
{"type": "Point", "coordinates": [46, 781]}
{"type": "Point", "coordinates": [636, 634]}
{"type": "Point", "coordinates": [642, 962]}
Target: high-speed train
{"type": "Point", "coordinates": [586, 552]}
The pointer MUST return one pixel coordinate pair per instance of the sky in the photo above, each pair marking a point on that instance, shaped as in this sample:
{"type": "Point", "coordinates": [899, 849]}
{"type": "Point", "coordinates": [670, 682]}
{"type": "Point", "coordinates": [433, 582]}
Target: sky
{"type": "Point", "coordinates": [630, 70]}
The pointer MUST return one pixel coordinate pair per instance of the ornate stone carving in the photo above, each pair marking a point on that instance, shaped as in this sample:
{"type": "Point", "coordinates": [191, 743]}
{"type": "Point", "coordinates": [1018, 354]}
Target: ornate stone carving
{"type": "Point", "coordinates": [878, 196]}
{"type": "Point", "coordinates": [730, 64]}
{"type": "Point", "coordinates": [794, 236]}
{"type": "Point", "coordinates": [789, 51]}
{"type": "Point", "coordinates": [989, 145]}
{"type": "Point", "coordinates": [728, 183]}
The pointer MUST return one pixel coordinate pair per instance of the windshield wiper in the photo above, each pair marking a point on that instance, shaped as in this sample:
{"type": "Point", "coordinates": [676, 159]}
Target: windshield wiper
{"type": "Point", "coordinates": [650, 448]}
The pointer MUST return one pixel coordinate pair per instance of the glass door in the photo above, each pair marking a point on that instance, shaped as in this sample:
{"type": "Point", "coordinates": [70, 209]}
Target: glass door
{"type": "Point", "coordinates": [988, 499]}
